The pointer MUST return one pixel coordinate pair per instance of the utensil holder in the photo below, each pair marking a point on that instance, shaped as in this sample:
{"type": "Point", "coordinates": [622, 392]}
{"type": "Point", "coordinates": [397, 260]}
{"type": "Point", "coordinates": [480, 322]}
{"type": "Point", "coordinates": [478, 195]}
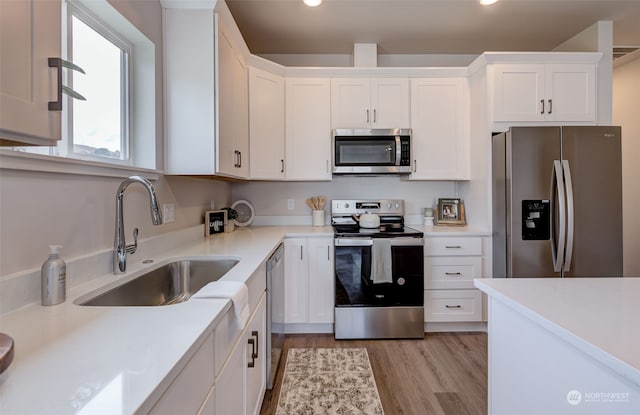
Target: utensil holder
{"type": "Point", "coordinates": [317, 218]}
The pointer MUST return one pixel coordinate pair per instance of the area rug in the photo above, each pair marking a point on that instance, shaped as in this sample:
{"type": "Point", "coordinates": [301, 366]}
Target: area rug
{"type": "Point", "coordinates": [328, 381]}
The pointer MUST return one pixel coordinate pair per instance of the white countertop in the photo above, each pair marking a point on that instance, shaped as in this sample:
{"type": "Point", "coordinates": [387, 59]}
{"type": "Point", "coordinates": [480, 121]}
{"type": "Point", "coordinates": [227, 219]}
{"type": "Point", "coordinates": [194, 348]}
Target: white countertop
{"type": "Point", "coordinates": [598, 316]}
{"type": "Point", "coordinates": [75, 359]}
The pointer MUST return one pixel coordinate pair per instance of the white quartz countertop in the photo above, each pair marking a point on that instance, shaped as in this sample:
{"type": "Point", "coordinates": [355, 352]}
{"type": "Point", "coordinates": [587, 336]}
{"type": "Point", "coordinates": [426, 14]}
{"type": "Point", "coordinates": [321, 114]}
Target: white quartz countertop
{"type": "Point", "coordinates": [598, 316]}
{"type": "Point", "coordinates": [71, 359]}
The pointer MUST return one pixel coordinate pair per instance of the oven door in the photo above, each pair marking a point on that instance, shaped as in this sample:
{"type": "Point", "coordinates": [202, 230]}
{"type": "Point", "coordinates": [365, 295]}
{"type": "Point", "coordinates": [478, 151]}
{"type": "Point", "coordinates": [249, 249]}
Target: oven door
{"type": "Point", "coordinates": [362, 267]}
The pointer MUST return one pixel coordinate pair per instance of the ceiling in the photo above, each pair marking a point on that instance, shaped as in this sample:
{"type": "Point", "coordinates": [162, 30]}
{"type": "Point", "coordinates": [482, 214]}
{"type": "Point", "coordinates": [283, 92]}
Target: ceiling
{"type": "Point", "coordinates": [426, 26]}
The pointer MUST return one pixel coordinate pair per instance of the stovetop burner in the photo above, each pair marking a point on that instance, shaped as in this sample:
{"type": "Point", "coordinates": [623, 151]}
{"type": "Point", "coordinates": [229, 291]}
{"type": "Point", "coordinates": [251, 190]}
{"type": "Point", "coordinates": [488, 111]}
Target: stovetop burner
{"type": "Point", "coordinates": [391, 212]}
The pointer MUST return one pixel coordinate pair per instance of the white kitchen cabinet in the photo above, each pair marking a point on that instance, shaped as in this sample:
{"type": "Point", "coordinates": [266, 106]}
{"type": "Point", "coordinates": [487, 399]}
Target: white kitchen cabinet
{"type": "Point", "coordinates": [543, 92]}
{"type": "Point", "coordinates": [233, 130]}
{"type": "Point", "coordinates": [240, 387]}
{"type": "Point", "coordinates": [191, 388]}
{"type": "Point", "coordinates": [370, 103]}
{"type": "Point", "coordinates": [309, 281]}
{"type": "Point", "coordinates": [266, 125]}
{"type": "Point", "coordinates": [450, 265]}
{"type": "Point", "coordinates": [308, 129]}
{"type": "Point", "coordinates": [440, 129]}
{"type": "Point", "coordinates": [29, 35]}
{"type": "Point", "coordinates": [206, 96]}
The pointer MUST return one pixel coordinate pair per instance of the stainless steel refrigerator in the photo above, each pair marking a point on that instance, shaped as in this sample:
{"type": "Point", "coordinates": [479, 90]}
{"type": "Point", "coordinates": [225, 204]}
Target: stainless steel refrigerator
{"type": "Point", "coordinates": [557, 202]}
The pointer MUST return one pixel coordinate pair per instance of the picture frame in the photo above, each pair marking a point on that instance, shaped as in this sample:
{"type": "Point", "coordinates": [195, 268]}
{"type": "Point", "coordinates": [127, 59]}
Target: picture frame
{"type": "Point", "coordinates": [215, 221]}
{"type": "Point", "coordinates": [450, 212]}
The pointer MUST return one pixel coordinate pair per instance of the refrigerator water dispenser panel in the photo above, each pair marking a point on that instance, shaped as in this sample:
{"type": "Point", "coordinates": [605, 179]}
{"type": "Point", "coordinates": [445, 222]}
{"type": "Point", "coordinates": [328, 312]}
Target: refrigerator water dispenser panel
{"type": "Point", "coordinates": [536, 220]}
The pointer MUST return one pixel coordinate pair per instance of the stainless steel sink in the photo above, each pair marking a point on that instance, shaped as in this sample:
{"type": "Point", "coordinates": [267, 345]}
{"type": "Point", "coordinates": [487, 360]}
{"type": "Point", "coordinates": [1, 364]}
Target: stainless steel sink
{"type": "Point", "coordinates": [170, 284]}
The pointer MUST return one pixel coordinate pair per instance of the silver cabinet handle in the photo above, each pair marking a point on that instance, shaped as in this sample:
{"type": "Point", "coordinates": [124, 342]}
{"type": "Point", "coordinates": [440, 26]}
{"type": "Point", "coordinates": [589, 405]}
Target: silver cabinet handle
{"type": "Point", "coordinates": [375, 118]}
{"type": "Point", "coordinates": [328, 253]}
{"type": "Point", "coordinates": [453, 306]}
{"type": "Point", "coordinates": [281, 165]}
{"type": "Point", "coordinates": [550, 106]}
{"type": "Point", "coordinates": [453, 246]}
{"type": "Point", "coordinates": [415, 165]}
{"type": "Point", "coordinates": [542, 110]}
{"type": "Point", "coordinates": [239, 159]}
{"type": "Point", "coordinates": [453, 273]}
{"type": "Point", "coordinates": [57, 104]}
{"type": "Point", "coordinates": [367, 115]}
{"type": "Point", "coordinates": [300, 252]}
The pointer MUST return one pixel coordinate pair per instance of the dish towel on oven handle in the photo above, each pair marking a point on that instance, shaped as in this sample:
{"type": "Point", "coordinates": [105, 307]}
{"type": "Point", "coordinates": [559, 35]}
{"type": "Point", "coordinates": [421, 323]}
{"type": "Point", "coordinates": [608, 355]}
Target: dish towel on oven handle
{"type": "Point", "coordinates": [235, 290]}
{"type": "Point", "coordinates": [381, 261]}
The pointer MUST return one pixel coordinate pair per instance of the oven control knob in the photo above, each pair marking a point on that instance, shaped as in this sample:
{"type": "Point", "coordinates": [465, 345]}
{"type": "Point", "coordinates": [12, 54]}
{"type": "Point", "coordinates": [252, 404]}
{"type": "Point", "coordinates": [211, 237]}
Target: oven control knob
{"type": "Point", "coordinates": [346, 205]}
{"type": "Point", "coordinates": [401, 281]}
{"type": "Point", "coordinates": [397, 205]}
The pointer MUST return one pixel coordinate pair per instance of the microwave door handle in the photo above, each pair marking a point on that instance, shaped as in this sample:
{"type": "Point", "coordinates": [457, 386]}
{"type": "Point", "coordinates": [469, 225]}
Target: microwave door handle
{"type": "Point", "coordinates": [398, 150]}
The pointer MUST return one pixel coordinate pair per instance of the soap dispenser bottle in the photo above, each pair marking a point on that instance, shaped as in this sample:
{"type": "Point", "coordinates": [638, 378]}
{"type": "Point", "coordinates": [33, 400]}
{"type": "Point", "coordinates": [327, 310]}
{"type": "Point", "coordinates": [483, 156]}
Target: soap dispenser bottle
{"type": "Point", "coordinates": [54, 278]}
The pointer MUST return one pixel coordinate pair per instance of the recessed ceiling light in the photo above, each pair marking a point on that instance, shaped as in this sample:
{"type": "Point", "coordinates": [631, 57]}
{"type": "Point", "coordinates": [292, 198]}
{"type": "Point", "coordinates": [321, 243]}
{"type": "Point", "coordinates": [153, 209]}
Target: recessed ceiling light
{"type": "Point", "coordinates": [312, 3]}
{"type": "Point", "coordinates": [488, 2]}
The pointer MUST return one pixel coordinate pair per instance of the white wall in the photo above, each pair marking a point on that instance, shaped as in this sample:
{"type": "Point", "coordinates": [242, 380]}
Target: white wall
{"type": "Point", "coordinates": [626, 101]}
{"type": "Point", "coordinates": [270, 198]}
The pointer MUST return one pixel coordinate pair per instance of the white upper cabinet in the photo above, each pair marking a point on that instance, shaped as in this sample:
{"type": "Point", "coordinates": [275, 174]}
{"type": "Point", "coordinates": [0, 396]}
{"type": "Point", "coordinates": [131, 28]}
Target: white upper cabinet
{"type": "Point", "coordinates": [29, 36]}
{"type": "Point", "coordinates": [539, 92]}
{"type": "Point", "coordinates": [308, 129]}
{"type": "Point", "coordinates": [440, 127]}
{"type": "Point", "coordinates": [233, 104]}
{"type": "Point", "coordinates": [266, 125]}
{"type": "Point", "coordinates": [206, 96]}
{"type": "Point", "coordinates": [370, 103]}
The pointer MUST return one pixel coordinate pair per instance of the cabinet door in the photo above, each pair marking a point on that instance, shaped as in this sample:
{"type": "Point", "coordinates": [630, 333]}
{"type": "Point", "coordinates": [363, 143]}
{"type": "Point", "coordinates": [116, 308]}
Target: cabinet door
{"type": "Point", "coordinates": [571, 92]}
{"type": "Point", "coordinates": [296, 281]}
{"type": "Point", "coordinates": [439, 122]}
{"type": "Point", "coordinates": [240, 117]}
{"type": "Point", "coordinates": [351, 103]}
{"type": "Point", "coordinates": [256, 374]}
{"type": "Point", "coordinates": [229, 387]}
{"type": "Point", "coordinates": [321, 280]}
{"type": "Point", "coordinates": [225, 148]}
{"type": "Point", "coordinates": [29, 35]}
{"type": "Point", "coordinates": [390, 103]}
{"type": "Point", "coordinates": [266, 125]}
{"type": "Point", "coordinates": [308, 129]}
{"type": "Point", "coordinates": [518, 92]}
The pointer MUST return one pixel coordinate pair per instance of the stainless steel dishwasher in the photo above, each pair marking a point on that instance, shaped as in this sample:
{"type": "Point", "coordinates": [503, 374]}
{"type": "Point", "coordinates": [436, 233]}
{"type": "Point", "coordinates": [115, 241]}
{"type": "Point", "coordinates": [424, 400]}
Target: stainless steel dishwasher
{"type": "Point", "coordinates": [275, 312]}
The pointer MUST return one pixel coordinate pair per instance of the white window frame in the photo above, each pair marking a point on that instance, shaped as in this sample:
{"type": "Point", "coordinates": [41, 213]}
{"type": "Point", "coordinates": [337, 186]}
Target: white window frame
{"type": "Point", "coordinates": [65, 147]}
{"type": "Point", "coordinates": [144, 148]}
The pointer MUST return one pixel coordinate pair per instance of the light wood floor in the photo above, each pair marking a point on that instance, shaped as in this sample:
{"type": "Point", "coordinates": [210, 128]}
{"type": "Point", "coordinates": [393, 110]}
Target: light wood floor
{"type": "Point", "coordinates": [444, 374]}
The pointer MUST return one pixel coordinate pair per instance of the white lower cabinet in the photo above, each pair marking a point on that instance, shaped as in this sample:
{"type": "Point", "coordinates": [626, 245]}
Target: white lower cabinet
{"type": "Point", "coordinates": [450, 265]}
{"type": "Point", "coordinates": [309, 282]}
{"type": "Point", "coordinates": [241, 384]}
{"type": "Point", "coordinates": [190, 390]}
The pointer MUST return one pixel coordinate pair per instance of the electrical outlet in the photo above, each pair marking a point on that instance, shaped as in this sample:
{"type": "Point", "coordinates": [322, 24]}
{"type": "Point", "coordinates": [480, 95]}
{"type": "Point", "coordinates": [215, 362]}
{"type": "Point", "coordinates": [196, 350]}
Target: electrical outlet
{"type": "Point", "coordinates": [290, 204]}
{"type": "Point", "coordinates": [168, 212]}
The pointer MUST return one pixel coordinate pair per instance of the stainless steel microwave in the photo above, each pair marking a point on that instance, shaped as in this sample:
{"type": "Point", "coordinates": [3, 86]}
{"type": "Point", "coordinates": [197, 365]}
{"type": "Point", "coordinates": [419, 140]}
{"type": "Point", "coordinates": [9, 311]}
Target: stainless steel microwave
{"type": "Point", "coordinates": [372, 151]}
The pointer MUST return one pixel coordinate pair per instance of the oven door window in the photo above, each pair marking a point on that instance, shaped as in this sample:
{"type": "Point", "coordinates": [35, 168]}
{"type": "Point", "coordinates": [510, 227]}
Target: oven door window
{"type": "Point", "coordinates": [355, 287]}
{"type": "Point", "coordinates": [354, 151]}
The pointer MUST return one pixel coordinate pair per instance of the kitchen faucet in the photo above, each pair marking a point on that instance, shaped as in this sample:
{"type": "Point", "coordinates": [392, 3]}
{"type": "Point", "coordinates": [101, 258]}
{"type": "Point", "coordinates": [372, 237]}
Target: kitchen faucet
{"type": "Point", "coordinates": [120, 248]}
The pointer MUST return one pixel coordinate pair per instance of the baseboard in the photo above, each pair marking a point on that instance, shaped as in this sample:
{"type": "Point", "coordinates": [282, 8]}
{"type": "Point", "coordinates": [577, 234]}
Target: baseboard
{"type": "Point", "coordinates": [308, 328]}
{"type": "Point", "coordinates": [456, 326]}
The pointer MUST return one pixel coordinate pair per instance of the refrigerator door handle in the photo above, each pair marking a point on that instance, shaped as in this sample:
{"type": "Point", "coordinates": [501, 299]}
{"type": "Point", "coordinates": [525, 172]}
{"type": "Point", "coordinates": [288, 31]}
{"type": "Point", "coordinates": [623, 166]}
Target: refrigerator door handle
{"type": "Point", "coordinates": [570, 216]}
{"type": "Point", "coordinates": [557, 189]}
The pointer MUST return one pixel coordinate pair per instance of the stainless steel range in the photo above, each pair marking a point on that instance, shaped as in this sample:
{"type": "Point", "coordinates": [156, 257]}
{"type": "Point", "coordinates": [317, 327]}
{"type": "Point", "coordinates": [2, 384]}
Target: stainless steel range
{"type": "Point", "coordinates": [379, 271]}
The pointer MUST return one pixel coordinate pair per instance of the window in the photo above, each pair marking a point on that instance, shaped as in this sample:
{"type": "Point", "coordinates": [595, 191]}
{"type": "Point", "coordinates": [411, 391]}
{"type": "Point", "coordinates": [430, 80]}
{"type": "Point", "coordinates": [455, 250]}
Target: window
{"type": "Point", "coordinates": [114, 131]}
{"type": "Point", "coordinates": [98, 127]}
